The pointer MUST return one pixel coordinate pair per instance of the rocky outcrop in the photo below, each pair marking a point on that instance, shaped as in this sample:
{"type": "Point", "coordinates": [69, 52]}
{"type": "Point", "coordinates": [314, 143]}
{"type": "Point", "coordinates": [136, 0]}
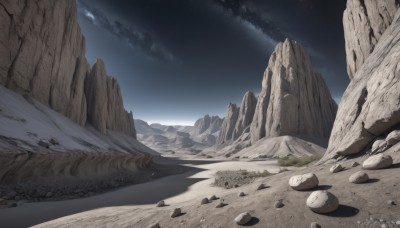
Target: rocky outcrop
{"type": "Point", "coordinates": [370, 106]}
{"type": "Point", "coordinates": [294, 99]}
{"type": "Point", "coordinates": [246, 114]}
{"type": "Point", "coordinates": [228, 126]}
{"type": "Point", "coordinates": [42, 55]}
{"type": "Point", "coordinates": [364, 23]}
{"type": "Point", "coordinates": [207, 125]}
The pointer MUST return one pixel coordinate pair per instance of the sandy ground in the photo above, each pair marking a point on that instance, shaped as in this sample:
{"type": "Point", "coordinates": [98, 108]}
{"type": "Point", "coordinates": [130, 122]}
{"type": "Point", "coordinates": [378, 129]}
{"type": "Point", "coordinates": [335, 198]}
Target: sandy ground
{"type": "Point", "coordinates": [174, 190]}
{"type": "Point", "coordinates": [361, 205]}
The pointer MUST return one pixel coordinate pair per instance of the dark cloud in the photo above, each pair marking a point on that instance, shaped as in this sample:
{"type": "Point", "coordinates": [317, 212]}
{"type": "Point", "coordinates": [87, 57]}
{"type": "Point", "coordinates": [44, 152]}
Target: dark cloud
{"type": "Point", "coordinates": [141, 40]}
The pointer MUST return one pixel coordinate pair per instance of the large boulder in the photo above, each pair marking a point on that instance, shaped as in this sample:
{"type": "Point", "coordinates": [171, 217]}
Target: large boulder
{"type": "Point", "coordinates": [379, 161]}
{"type": "Point", "coordinates": [304, 182]}
{"type": "Point", "coordinates": [370, 106]}
{"type": "Point", "coordinates": [322, 202]}
{"type": "Point", "coordinates": [294, 98]}
{"type": "Point", "coordinates": [364, 23]}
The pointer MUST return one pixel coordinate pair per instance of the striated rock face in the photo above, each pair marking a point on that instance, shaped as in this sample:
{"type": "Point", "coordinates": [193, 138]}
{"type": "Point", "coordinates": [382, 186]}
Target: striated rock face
{"type": "Point", "coordinates": [364, 23]}
{"type": "Point", "coordinates": [105, 105]}
{"type": "Point", "coordinates": [42, 54]}
{"type": "Point", "coordinates": [294, 99]}
{"type": "Point", "coordinates": [228, 126]}
{"type": "Point", "coordinates": [246, 114]}
{"type": "Point", "coordinates": [207, 125]}
{"type": "Point", "coordinates": [370, 106]}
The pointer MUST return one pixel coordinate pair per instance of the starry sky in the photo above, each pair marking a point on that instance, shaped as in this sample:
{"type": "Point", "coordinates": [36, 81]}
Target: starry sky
{"type": "Point", "coordinates": [177, 60]}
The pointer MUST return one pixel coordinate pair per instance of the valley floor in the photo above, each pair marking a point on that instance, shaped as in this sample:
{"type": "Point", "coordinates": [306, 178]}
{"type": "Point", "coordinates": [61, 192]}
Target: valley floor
{"type": "Point", "coordinates": [174, 189]}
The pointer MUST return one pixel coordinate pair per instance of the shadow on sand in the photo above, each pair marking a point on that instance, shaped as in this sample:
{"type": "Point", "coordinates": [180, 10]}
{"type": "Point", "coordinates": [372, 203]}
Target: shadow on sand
{"type": "Point", "coordinates": [253, 222]}
{"type": "Point", "coordinates": [145, 193]}
{"type": "Point", "coordinates": [319, 187]}
{"type": "Point", "coordinates": [344, 211]}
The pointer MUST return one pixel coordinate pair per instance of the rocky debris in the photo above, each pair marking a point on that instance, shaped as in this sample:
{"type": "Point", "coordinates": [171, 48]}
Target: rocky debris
{"type": "Point", "coordinates": [228, 125]}
{"type": "Point", "coordinates": [213, 197]}
{"type": "Point", "coordinates": [261, 186]}
{"type": "Point", "coordinates": [393, 138]}
{"type": "Point", "coordinates": [364, 22]}
{"type": "Point", "coordinates": [359, 177]}
{"type": "Point", "coordinates": [156, 225]}
{"type": "Point", "coordinates": [369, 107]}
{"type": "Point", "coordinates": [246, 113]}
{"type": "Point", "coordinates": [279, 204]}
{"type": "Point", "coordinates": [161, 203]}
{"type": "Point", "coordinates": [207, 124]}
{"type": "Point", "coordinates": [336, 168]}
{"type": "Point", "coordinates": [204, 201]}
{"type": "Point", "coordinates": [221, 204]}
{"type": "Point", "coordinates": [304, 182]}
{"type": "Point", "coordinates": [322, 202]}
{"type": "Point", "coordinates": [355, 164]}
{"type": "Point", "coordinates": [44, 143]}
{"type": "Point", "coordinates": [241, 194]}
{"type": "Point", "coordinates": [379, 161]}
{"type": "Point", "coordinates": [290, 83]}
{"type": "Point", "coordinates": [315, 225]}
{"type": "Point", "coordinates": [243, 218]}
{"type": "Point", "coordinates": [379, 146]}
{"type": "Point", "coordinates": [176, 212]}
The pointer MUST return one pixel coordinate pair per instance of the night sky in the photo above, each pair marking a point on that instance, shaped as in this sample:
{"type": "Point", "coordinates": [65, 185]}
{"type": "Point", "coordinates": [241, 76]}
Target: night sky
{"type": "Point", "coordinates": [177, 60]}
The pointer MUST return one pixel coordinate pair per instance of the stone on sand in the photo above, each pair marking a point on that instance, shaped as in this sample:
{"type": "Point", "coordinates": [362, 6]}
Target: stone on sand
{"type": "Point", "coordinates": [155, 225]}
{"type": "Point", "coordinates": [261, 186]}
{"type": "Point", "coordinates": [243, 218]}
{"type": "Point", "coordinates": [241, 194]}
{"type": "Point", "coordinates": [336, 168]}
{"type": "Point", "coordinates": [379, 161]}
{"type": "Point", "coordinates": [355, 164]}
{"type": "Point", "coordinates": [204, 201]}
{"type": "Point", "coordinates": [279, 204]}
{"type": "Point", "coordinates": [304, 182]}
{"type": "Point", "coordinates": [322, 202]}
{"type": "Point", "coordinates": [176, 212]}
{"type": "Point", "coordinates": [315, 225]}
{"type": "Point", "coordinates": [161, 203]}
{"type": "Point", "coordinates": [213, 197]}
{"type": "Point", "coordinates": [359, 177]}
{"type": "Point", "coordinates": [379, 146]}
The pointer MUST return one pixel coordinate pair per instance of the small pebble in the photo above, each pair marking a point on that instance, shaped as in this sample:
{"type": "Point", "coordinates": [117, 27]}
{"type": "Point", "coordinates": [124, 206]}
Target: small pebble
{"type": "Point", "coordinates": [315, 225]}
{"type": "Point", "coordinates": [156, 225]}
{"type": "Point", "coordinates": [279, 204]}
{"type": "Point", "coordinates": [398, 222]}
{"type": "Point", "coordinates": [383, 226]}
{"type": "Point", "coordinates": [391, 202]}
{"type": "Point", "coordinates": [241, 194]}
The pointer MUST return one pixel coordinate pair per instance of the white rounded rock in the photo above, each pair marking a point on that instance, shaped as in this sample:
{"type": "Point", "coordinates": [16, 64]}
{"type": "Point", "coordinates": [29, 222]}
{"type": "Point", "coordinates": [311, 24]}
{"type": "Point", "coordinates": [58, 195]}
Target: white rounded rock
{"type": "Point", "coordinates": [243, 218]}
{"type": "Point", "coordinates": [359, 177]}
{"type": "Point", "coordinates": [161, 203]}
{"type": "Point", "coordinates": [336, 168]}
{"type": "Point", "coordinates": [393, 138]}
{"type": "Point", "coordinates": [379, 161]}
{"type": "Point", "coordinates": [176, 212]}
{"type": "Point", "coordinates": [304, 182]}
{"type": "Point", "coordinates": [379, 146]}
{"type": "Point", "coordinates": [322, 202]}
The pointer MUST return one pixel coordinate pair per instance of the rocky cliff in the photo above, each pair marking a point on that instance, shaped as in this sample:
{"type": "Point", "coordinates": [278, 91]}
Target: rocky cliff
{"type": "Point", "coordinates": [246, 114]}
{"type": "Point", "coordinates": [207, 124]}
{"type": "Point", "coordinates": [228, 125]}
{"type": "Point", "coordinates": [105, 105]}
{"type": "Point", "coordinates": [370, 106]}
{"type": "Point", "coordinates": [364, 23]}
{"type": "Point", "coordinates": [42, 55]}
{"type": "Point", "coordinates": [294, 99]}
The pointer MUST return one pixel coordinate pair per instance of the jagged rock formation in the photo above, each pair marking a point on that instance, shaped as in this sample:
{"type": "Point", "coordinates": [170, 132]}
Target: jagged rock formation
{"type": "Point", "coordinates": [246, 114]}
{"type": "Point", "coordinates": [42, 54]}
{"type": "Point", "coordinates": [228, 126]}
{"type": "Point", "coordinates": [105, 106]}
{"type": "Point", "coordinates": [364, 23]}
{"type": "Point", "coordinates": [207, 125]}
{"type": "Point", "coordinates": [370, 106]}
{"type": "Point", "coordinates": [294, 99]}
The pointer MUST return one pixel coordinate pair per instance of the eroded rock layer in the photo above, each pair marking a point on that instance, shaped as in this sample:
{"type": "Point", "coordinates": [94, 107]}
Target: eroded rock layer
{"type": "Point", "coordinates": [370, 106]}
{"type": "Point", "coordinates": [364, 23]}
{"type": "Point", "coordinates": [228, 125]}
{"type": "Point", "coordinates": [294, 99]}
